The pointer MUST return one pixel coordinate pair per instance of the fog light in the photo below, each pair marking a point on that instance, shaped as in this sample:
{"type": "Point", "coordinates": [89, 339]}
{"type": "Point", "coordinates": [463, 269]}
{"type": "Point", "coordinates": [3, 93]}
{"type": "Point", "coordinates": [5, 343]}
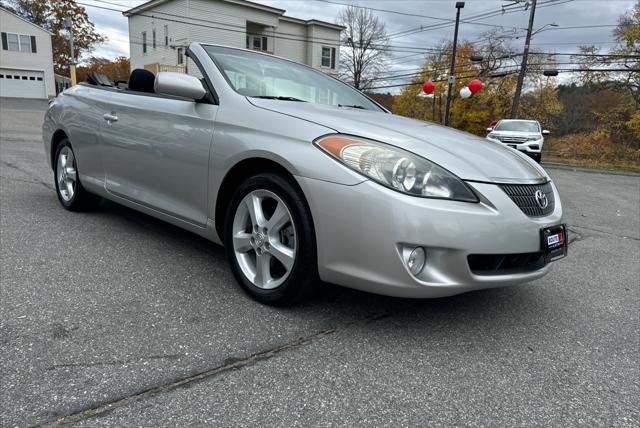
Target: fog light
{"type": "Point", "coordinates": [416, 260]}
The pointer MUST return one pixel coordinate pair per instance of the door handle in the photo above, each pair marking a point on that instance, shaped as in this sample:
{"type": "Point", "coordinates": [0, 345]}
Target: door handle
{"type": "Point", "coordinates": [110, 117]}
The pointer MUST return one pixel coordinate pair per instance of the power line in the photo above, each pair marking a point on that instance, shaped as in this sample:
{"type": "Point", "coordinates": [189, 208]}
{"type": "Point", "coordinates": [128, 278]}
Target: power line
{"type": "Point", "coordinates": [396, 12]}
{"type": "Point", "coordinates": [391, 48]}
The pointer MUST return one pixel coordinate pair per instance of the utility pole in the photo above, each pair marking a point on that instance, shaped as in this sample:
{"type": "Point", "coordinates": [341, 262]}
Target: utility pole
{"type": "Point", "coordinates": [523, 66]}
{"type": "Point", "coordinates": [68, 24]}
{"type": "Point", "coordinates": [459, 5]}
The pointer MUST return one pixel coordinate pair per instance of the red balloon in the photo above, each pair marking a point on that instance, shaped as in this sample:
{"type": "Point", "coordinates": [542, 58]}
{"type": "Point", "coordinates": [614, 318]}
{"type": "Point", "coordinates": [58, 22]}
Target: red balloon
{"type": "Point", "coordinates": [475, 85]}
{"type": "Point", "coordinates": [428, 87]}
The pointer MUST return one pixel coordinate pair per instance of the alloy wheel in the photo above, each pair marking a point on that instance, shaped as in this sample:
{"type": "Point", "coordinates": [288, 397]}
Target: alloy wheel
{"type": "Point", "coordinates": [66, 173]}
{"type": "Point", "coordinates": [264, 239]}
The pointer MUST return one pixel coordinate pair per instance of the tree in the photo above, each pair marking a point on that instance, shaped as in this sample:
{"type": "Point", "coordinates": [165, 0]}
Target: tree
{"type": "Point", "coordinates": [365, 47]}
{"type": "Point", "coordinates": [588, 59]}
{"type": "Point", "coordinates": [627, 34]}
{"type": "Point", "coordinates": [116, 70]}
{"type": "Point", "coordinates": [49, 15]}
{"type": "Point", "coordinates": [473, 114]}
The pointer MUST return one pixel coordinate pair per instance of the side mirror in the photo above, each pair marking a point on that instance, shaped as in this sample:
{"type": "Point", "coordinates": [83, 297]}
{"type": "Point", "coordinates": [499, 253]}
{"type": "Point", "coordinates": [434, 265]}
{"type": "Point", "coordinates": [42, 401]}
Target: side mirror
{"type": "Point", "coordinates": [179, 84]}
{"type": "Point", "coordinates": [545, 132]}
{"type": "Point", "coordinates": [489, 129]}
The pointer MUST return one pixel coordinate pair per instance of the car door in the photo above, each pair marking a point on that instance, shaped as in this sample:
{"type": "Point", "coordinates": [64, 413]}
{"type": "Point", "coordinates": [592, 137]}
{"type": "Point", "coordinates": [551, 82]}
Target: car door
{"type": "Point", "coordinates": [156, 152]}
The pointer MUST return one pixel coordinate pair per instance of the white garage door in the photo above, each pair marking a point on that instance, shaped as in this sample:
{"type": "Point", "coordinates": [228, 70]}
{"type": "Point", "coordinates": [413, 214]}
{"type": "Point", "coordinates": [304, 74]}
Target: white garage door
{"type": "Point", "coordinates": [22, 83]}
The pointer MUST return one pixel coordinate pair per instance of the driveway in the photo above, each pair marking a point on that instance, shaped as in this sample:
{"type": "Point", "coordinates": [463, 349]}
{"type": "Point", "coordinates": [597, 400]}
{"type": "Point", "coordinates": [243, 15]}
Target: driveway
{"type": "Point", "coordinates": [114, 318]}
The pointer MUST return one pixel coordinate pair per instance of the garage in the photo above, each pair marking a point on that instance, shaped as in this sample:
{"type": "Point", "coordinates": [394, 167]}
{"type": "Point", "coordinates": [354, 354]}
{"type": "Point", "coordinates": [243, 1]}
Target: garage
{"type": "Point", "coordinates": [22, 83]}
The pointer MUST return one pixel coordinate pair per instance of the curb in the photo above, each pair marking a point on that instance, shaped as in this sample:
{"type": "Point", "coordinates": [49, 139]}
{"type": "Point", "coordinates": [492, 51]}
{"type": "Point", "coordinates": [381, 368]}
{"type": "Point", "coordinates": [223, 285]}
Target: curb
{"type": "Point", "coordinates": [589, 170]}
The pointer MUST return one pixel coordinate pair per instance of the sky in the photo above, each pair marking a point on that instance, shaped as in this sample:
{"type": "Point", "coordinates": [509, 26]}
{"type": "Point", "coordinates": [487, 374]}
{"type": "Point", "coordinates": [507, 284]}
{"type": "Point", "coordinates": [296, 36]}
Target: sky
{"type": "Point", "coordinates": [599, 18]}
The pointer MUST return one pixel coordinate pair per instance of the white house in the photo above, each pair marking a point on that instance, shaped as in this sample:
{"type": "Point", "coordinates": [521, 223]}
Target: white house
{"type": "Point", "coordinates": [26, 59]}
{"type": "Point", "coordinates": [161, 30]}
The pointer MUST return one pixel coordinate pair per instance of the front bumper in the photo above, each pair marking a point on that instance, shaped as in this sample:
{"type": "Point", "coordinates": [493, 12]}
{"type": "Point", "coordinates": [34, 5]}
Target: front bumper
{"type": "Point", "coordinates": [362, 229]}
{"type": "Point", "coordinates": [532, 147]}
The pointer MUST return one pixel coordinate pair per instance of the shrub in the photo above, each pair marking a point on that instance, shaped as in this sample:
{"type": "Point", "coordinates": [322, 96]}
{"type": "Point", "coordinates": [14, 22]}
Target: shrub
{"type": "Point", "coordinates": [595, 148]}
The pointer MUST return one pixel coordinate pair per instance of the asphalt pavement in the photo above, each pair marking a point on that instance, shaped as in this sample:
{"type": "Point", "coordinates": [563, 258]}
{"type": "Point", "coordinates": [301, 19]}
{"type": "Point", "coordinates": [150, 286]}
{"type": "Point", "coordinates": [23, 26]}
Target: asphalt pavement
{"type": "Point", "coordinates": [113, 318]}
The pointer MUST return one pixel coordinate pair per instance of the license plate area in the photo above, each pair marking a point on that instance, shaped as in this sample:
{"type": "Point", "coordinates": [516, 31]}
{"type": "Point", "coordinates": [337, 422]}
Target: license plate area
{"type": "Point", "coordinates": [554, 242]}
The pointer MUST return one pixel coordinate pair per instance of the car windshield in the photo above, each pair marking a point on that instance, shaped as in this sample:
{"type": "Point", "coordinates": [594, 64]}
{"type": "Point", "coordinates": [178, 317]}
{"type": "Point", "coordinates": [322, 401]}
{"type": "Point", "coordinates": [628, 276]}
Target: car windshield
{"type": "Point", "coordinates": [518, 125]}
{"type": "Point", "coordinates": [263, 76]}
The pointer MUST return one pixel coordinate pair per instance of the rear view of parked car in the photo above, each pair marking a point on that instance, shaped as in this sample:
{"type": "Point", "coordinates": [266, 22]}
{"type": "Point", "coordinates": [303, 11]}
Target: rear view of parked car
{"type": "Point", "coordinates": [301, 177]}
{"type": "Point", "coordinates": [524, 135]}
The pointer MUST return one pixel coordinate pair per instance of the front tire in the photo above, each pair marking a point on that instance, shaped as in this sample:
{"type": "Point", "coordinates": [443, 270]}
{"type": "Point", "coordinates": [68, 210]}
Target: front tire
{"type": "Point", "coordinates": [71, 194]}
{"type": "Point", "coordinates": [270, 240]}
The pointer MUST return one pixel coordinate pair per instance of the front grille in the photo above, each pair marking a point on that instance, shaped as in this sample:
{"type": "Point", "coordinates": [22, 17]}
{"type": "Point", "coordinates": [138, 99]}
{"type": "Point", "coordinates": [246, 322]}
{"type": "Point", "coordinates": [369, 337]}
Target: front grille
{"type": "Point", "coordinates": [503, 264]}
{"type": "Point", "coordinates": [516, 140]}
{"type": "Point", "coordinates": [524, 196]}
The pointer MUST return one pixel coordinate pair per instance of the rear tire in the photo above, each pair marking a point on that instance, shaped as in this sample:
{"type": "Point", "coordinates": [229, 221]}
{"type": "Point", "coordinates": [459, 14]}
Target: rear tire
{"type": "Point", "coordinates": [270, 240]}
{"type": "Point", "coordinates": [71, 194]}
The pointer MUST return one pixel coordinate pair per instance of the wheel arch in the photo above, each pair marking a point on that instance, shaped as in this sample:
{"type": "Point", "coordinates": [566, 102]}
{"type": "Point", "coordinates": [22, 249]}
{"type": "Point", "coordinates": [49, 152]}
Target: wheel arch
{"type": "Point", "coordinates": [56, 139]}
{"type": "Point", "coordinates": [236, 175]}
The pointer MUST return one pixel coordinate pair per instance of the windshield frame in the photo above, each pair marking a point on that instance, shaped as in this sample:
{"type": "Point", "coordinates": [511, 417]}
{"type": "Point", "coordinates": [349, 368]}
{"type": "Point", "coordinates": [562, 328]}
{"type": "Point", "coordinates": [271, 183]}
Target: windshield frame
{"type": "Point", "coordinates": [228, 81]}
{"type": "Point", "coordinates": [505, 122]}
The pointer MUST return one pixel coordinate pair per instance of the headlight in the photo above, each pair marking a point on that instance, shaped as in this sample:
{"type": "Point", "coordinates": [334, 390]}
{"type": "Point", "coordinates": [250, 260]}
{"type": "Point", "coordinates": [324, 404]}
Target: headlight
{"type": "Point", "coordinates": [396, 168]}
{"type": "Point", "coordinates": [492, 135]}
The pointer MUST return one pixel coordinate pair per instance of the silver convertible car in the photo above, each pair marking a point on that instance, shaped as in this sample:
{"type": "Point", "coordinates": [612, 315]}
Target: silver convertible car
{"type": "Point", "coordinates": [303, 178]}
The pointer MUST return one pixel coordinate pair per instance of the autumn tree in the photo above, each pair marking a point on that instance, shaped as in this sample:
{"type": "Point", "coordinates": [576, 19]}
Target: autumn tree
{"type": "Point", "coordinates": [590, 59]}
{"type": "Point", "coordinates": [627, 35]}
{"type": "Point", "coordinates": [116, 70]}
{"type": "Point", "coordinates": [49, 14]}
{"type": "Point", "coordinates": [365, 47]}
{"type": "Point", "coordinates": [473, 114]}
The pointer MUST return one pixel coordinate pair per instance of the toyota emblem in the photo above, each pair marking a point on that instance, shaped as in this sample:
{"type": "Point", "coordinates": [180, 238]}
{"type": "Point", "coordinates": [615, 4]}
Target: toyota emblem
{"type": "Point", "coordinates": [541, 199]}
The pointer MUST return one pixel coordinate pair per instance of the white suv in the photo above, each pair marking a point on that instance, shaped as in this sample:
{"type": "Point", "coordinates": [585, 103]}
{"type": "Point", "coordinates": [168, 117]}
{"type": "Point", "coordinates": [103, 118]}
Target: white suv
{"type": "Point", "coordinates": [523, 135]}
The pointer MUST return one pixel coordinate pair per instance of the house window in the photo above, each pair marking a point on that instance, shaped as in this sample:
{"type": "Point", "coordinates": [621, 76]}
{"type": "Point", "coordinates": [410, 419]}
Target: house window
{"type": "Point", "coordinates": [180, 56]}
{"type": "Point", "coordinates": [18, 42]}
{"type": "Point", "coordinates": [14, 43]}
{"type": "Point", "coordinates": [258, 43]}
{"type": "Point", "coordinates": [153, 38]}
{"type": "Point", "coordinates": [25, 43]}
{"type": "Point", "coordinates": [328, 57]}
{"type": "Point", "coordinates": [166, 36]}
{"type": "Point", "coordinates": [144, 42]}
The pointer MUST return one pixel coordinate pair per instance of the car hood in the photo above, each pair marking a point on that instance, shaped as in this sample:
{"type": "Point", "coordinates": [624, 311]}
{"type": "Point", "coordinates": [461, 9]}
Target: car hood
{"type": "Point", "coordinates": [469, 157]}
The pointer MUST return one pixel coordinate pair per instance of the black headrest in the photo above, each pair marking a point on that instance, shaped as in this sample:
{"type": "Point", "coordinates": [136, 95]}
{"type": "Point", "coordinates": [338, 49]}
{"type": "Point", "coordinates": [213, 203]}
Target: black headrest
{"type": "Point", "coordinates": [141, 80]}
